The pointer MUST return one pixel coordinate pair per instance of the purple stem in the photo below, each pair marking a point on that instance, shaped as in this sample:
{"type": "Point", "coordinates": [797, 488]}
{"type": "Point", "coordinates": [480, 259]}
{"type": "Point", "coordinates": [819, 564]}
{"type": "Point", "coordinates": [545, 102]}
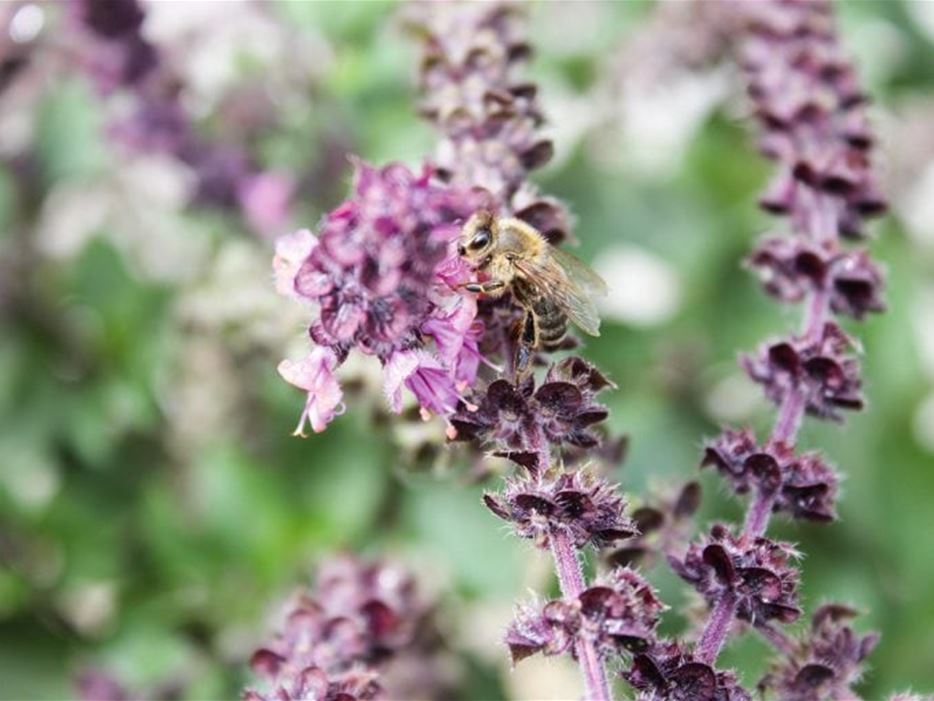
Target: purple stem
{"type": "Point", "coordinates": [816, 316]}
{"type": "Point", "coordinates": [717, 628]}
{"type": "Point", "coordinates": [571, 581]}
{"type": "Point", "coordinates": [789, 418]}
{"type": "Point", "coordinates": [823, 225]}
{"type": "Point", "coordinates": [757, 517]}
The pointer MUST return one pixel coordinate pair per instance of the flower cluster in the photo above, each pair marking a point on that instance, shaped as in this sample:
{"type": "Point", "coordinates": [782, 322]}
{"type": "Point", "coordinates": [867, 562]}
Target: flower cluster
{"type": "Point", "coordinates": [819, 368]}
{"type": "Point", "coordinates": [791, 268]}
{"type": "Point", "coordinates": [489, 120]}
{"type": "Point", "coordinates": [756, 573]}
{"type": "Point", "coordinates": [334, 641]}
{"type": "Point", "coordinates": [805, 486]}
{"type": "Point", "coordinates": [669, 671]}
{"type": "Point", "coordinates": [385, 277]}
{"type": "Point", "coordinates": [119, 55]}
{"type": "Point", "coordinates": [826, 663]}
{"type": "Point", "coordinates": [563, 408]}
{"type": "Point", "coordinates": [578, 503]}
{"type": "Point", "coordinates": [618, 614]}
{"type": "Point", "coordinates": [807, 97]}
{"type": "Point", "coordinates": [110, 46]}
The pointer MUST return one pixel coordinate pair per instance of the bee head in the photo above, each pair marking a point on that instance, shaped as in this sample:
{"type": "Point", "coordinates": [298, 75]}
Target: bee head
{"type": "Point", "coordinates": [477, 237]}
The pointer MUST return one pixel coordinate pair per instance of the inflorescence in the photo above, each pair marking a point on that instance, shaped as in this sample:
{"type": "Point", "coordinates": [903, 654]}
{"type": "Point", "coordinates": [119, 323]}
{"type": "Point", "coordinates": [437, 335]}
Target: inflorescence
{"type": "Point", "coordinates": [384, 275]}
{"type": "Point", "coordinates": [807, 99]}
{"type": "Point", "coordinates": [337, 640]}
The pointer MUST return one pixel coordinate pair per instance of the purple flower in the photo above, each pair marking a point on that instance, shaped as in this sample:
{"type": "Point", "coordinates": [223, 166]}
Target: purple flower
{"type": "Point", "coordinates": [808, 100]}
{"type": "Point", "coordinates": [488, 119]}
{"type": "Point", "coordinates": [156, 125]}
{"type": "Point", "coordinates": [758, 572]}
{"type": "Point", "coordinates": [550, 629]}
{"type": "Point", "coordinates": [332, 642]}
{"type": "Point", "coordinates": [805, 486]}
{"type": "Point", "coordinates": [315, 375]}
{"type": "Point", "coordinates": [115, 54]}
{"type": "Point", "coordinates": [385, 277]}
{"type": "Point", "coordinates": [668, 673]}
{"type": "Point", "coordinates": [827, 661]}
{"type": "Point", "coordinates": [110, 19]}
{"type": "Point", "coordinates": [108, 44]}
{"type": "Point", "coordinates": [425, 376]}
{"type": "Point", "coordinates": [457, 335]}
{"type": "Point", "coordinates": [563, 409]}
{"type": "Point", "coordinates": [373, 268]}
{"type": "Point", "coordinates": [221, 171]}
{"type": "Point", "coordinates": [313, 684]}
{"type": "Point", "coordinates": [617, 614]}
{"type": "Point", "coordinates": [580, 504]}
{"type": "Point", "coordinates": [620, 612]}
{"type": "Point", "coordinates": [291, 252]}
{"type": "Point", "coordinates": [821, 370]}
{"type": "Point", "coordinates": [791, 267]}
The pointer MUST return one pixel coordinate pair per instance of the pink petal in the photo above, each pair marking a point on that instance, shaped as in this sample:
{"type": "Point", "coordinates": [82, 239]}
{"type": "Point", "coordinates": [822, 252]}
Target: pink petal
{"type": "Point", "coordinates": [425, 376]}
{"type": "Point", "coordinates": [291, 252]}
{"type": "Point", "coordinates": [395, 372]}
{"type": "Point", "coordinates": [315, 375]}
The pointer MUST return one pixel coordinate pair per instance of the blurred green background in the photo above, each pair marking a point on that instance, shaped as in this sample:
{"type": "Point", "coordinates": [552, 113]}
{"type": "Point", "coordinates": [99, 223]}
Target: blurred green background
{"type": "Point", "coordinates": [154, 507]}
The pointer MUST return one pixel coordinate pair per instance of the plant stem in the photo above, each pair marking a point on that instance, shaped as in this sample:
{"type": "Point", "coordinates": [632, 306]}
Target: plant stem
{"type": "Point", "coordinates": [757, 517]}
{"type": "Point", "coordinates": [789, 418]}
{"type": "Point", "coordinates": [717, 628]}
{"type": "Point", "coordinates": [571, 581]}
{"type": "Point", "coordinates": [822, 224]}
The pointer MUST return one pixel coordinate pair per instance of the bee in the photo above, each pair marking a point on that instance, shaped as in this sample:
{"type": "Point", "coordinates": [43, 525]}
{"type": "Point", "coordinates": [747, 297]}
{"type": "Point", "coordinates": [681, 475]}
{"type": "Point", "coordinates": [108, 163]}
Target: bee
{"type": "Point", "coordinates": [550, 285]}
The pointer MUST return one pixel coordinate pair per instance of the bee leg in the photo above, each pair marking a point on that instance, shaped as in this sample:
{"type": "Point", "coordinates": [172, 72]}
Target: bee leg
{"type": "Point", "coordinates": [526, 345]}
{"type": "Point", "coordinates": [491, 286]}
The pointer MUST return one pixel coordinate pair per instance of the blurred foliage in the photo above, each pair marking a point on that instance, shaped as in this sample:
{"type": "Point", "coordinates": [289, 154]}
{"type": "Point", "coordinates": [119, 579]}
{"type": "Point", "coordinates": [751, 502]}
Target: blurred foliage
{"type": "Point", "coordinates": [124, 545]}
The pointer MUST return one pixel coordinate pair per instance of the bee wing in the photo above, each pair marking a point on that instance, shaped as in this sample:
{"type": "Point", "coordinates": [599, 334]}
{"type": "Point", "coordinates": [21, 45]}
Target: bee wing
{"type": "Point", "coordinates": [571, 284]}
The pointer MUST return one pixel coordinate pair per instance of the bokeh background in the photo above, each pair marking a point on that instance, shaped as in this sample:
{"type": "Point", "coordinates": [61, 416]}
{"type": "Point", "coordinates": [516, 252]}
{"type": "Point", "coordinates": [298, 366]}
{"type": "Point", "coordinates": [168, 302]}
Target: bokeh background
{"type": "Point", "coordinates": [154, 507]}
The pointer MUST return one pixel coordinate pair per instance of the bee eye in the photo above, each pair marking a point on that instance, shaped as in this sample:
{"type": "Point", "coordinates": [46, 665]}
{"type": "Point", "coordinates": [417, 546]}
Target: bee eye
{"type": "Point", "coordinates": [480, 240]}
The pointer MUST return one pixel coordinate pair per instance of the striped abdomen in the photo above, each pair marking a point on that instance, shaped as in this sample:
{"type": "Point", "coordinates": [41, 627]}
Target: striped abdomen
{"type": "Point", "coordinates": [552, 324]}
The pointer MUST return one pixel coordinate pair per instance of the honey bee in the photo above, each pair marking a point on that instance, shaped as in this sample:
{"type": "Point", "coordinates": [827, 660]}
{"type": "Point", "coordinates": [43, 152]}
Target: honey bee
{"type": "Point", "coordinates": [550, 285]}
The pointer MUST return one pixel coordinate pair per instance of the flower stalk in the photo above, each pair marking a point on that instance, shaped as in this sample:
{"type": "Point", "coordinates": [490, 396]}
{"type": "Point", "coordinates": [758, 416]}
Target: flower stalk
{"type": "Point", "coordinates": [805, 95]}
{"type": "Point", "coordinates": [384, 274]}
{"type": "Point", "coordinates": [571, 581]}
{"type": "Point", "coordinates": [718, 628]}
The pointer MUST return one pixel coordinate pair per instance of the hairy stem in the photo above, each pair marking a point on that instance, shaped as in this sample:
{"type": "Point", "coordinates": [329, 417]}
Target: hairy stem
{"type": "Point", "coordinates": [571, 580]}
{"type": "Point", "coordinates": [757, 517]}
{"type": "Point", "coordinates": [789, 418]}
{"type": "Point", "coordinates": [822, 226]}
{"type": "Point", "coordinates": [717, 629]}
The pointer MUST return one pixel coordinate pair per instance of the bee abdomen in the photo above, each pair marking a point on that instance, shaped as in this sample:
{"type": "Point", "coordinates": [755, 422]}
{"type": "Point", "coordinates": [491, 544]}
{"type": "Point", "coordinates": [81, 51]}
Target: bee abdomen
{"type": "Point", "coordinates": [552, 327]}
